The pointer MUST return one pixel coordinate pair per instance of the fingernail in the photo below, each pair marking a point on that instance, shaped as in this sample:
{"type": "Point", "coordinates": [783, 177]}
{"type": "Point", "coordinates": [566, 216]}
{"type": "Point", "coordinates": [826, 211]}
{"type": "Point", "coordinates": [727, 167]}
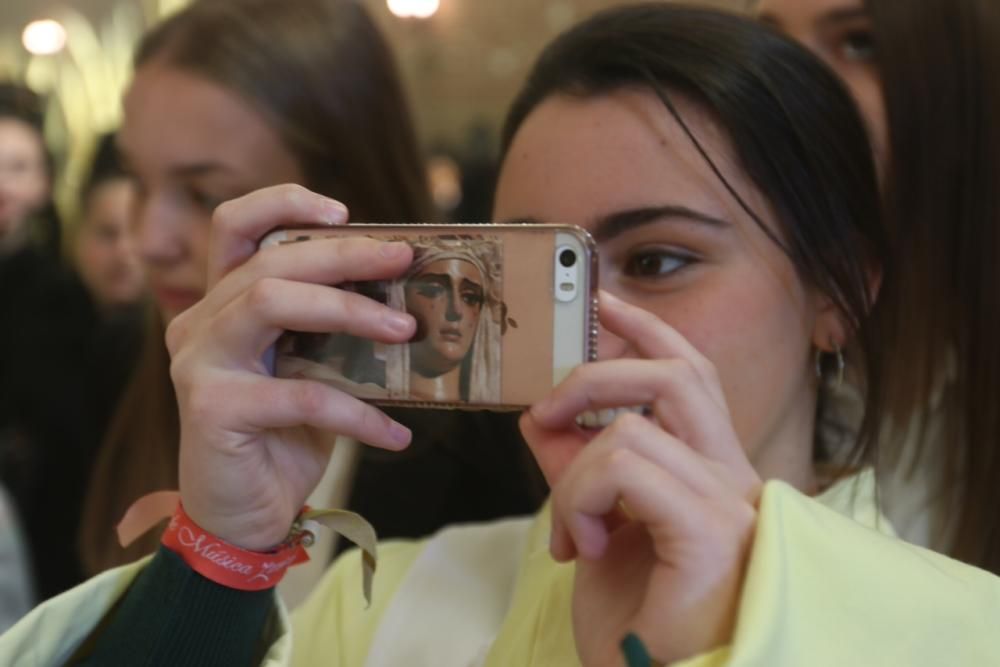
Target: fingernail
{"type": "Point", "coordinates": [634, 651]}
{"type": "Point", "coordinates": [392, 250]}
{"type": "Point", "coordinates": [556, 549]}
{"type": "Point", "coordinates": [605, 294]}
{"type": "Point", "coordinates": [399, 323]}
{"type": "Point", "coordinates": [333, 213]}
{"type": "Point", "coordinates": [542, 407]}
{"type": "Point", "coordinates": [399, 434]}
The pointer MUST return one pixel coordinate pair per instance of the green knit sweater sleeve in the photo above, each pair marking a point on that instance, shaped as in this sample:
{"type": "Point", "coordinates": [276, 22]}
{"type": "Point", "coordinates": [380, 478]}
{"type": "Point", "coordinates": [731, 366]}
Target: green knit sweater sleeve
{"type": "Point", "coordinates": [171, 615]}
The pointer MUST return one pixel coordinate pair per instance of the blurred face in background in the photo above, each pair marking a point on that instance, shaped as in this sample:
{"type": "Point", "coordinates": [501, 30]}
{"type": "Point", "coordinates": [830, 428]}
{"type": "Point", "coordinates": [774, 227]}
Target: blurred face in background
{"type": "Point", "coordinates": [24, 178]}
{"type": "Point", "coordinates": [191, 144]}
{"type": "Point", "coordinates": [840, 33]}
{"type": "Point", "coordinates": [106, 254]}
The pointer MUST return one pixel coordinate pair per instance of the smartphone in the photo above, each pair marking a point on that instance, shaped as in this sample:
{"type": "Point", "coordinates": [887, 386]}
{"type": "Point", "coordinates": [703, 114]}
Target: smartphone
{"type": "Point", "coordinates": [504, 313]}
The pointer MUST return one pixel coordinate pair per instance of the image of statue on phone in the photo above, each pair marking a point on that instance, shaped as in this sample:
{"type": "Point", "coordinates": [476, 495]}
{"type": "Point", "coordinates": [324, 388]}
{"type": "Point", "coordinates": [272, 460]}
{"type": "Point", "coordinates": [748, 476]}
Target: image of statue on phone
{"type": "Point", "coordinates": [453, 290]}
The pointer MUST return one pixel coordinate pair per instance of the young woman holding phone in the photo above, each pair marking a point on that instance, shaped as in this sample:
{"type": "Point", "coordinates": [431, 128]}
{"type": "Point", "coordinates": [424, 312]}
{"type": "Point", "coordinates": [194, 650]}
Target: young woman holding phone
{"type": "Point", "coordinates": [730, 186]}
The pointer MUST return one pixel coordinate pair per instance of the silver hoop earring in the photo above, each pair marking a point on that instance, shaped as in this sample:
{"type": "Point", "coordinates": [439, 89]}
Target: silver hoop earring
{"type": "Point", "coordinates": [841, 364]}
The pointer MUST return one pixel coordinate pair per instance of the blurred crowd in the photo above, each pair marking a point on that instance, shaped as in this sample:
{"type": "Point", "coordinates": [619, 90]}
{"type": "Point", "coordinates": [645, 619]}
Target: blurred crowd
{"type": "Point", "coordinates": [85, 300]}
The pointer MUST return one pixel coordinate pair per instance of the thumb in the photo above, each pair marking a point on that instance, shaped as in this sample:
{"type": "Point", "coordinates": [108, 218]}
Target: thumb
{"type": "Point", "coordinates": [554, 450]}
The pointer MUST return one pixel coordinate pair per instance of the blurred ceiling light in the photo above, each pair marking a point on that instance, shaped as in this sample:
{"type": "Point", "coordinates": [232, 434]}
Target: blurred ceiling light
{"type": "Point", "coordinates": [44, 37]}
{"type": "Point", "coordinates": [414, 9]}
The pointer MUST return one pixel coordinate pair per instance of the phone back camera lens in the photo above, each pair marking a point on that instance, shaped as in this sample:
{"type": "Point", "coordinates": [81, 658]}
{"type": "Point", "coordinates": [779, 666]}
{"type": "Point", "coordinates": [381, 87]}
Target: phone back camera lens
{"type": "Point", "coordinates": [567, 258]}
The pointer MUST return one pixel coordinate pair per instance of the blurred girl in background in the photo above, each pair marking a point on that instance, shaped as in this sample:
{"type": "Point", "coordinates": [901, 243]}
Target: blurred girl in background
{"type": "Point", "coordinates": [104, 250]}
{"type": "Point", "coordinates": [231, 96]}
{"type": "Point", "coordinates": [47, 424]}
{"type": "Point", "coordinates": [926, 74]}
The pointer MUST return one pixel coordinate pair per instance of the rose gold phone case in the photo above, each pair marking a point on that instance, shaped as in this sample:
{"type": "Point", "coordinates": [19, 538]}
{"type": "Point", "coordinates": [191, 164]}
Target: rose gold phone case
{"type": "Point", "coordinates": [497, 328]}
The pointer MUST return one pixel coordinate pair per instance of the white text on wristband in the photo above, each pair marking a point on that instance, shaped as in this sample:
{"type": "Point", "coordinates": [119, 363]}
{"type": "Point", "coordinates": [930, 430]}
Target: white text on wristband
{"type": "Point", "coordinates": [227, 564]}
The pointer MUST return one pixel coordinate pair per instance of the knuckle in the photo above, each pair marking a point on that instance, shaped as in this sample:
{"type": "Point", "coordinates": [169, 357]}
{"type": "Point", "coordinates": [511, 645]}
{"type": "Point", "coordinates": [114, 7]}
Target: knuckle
{"type": "Point", "coordinates": [619, 462]}
{"type": "Point", "coordinates": [200, 401]}
{"type": "Point", "coordinates": [628, 426]}
{"type": "Point", "coordinates": [179, 373]}
{"type": "Point", "coordinates": [266, 260]}
{"type": "Point", "coordinates": [293, 194]}
{"type": "Point", "coordinates": [339, 251]}
{"type": "Point", "coordinates": [578, 374]}
{"type": "Point", "coordinates": [731, 528]}
{"type": "Point", "coordinates": [370, 421]}
{"type": "Point", "coordinates": [352, 307]}
{"type": "Point", "coordinates": [177, 332]}
{"type": "Point", "coordinates": [745, 516]}
{"type": "Point", "coordinates": [263, 295]}
{"type": "Point", "coordinates": [356, 248]}
{"type": "Point", "coordinates": [225, 215]}
{"type": "Point", "coordinates": [310, 399]}
{"type": "Point", "coordinates": [684, 370]}
{"type": "Point", "coordinates": [706, 369]}
{"type": "Point", "coordinates": [579, 381]}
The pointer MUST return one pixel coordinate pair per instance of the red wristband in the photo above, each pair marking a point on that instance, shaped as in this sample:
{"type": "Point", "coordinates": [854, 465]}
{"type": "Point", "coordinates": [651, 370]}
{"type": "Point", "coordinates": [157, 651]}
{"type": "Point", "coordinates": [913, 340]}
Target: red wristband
{"type": "Point", "coordinates": [226, 564]}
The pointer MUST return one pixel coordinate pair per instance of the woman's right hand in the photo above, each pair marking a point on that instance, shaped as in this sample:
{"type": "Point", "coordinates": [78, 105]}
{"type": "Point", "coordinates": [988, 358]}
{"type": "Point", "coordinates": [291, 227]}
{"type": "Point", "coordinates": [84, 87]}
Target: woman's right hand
{"type": "Point", "coordinates": [252, 446]}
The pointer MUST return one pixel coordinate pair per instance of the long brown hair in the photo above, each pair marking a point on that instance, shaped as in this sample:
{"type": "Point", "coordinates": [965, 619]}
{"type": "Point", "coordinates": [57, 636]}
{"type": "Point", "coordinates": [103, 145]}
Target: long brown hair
{"type": "Point", "coordinates": [939, 62]}
{"type": "Point", "coordinates": [320, 72]}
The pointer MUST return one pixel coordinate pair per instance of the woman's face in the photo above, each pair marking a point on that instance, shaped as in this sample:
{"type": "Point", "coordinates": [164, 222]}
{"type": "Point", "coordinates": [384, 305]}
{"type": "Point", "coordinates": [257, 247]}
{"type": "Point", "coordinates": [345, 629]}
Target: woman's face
{"type": "Point", "coordinates": [840, 33]}
{"type": "Point", "coordinates": [446, 298]}
{"type": "Point", "coordinates": [191, 145]}
{"type": "Point", "coordinates": [673, 241]}
{"type": "Point", "coordinates": [24, 180]}
{"type": "Point", "coordinates": [106, 255]}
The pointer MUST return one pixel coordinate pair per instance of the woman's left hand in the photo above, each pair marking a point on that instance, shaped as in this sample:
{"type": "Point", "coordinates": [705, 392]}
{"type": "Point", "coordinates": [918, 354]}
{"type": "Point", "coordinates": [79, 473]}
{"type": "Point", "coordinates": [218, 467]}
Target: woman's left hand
{"type": "Point", "coordinates": [659, 510]}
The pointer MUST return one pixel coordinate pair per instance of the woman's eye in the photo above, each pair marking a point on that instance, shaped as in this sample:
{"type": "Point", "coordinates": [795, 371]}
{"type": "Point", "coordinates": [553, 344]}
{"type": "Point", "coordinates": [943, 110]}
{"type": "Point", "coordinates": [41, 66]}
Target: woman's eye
{"type": "Point", "coordinates": [430, 290]}
{"type": "Point", "coordinates": [858, 46]}
{"type": "Point", "coordinates": [204, 200]}
{"type": "Point", "coordinates": [472, 299]}
{"type": "Point", "coordinates": [655, 263]}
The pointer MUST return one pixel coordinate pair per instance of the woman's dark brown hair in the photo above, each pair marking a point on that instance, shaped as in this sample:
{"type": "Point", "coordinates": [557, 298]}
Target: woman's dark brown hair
{"type": "Point", "coordinates": [322, 75]}
{"type": "Point", "coordinates": [939, 62]}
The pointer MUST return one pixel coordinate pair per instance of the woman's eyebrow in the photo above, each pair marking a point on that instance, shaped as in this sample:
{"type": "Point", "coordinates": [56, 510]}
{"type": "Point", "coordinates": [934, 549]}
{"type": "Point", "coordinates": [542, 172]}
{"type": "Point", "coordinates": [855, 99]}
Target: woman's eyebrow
{"type": "Point", "coordinates": [199, 169]}
{"type": "Point", "coordinates": [619, 222]}
{"type": "Point", "coordinates": [832, 18]}
{"type": "Point", "coordinates": [841, 15]}
{"type": "Point", "coordinates": [439, 278]}
{"type": "Point", "coordinates": [471, 284]}
{"type": "Point", "coordinates": [613, 224]}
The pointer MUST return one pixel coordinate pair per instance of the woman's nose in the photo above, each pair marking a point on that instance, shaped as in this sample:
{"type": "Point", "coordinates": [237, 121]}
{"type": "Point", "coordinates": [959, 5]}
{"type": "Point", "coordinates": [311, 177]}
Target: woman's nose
{"type": "Point", "coordinates": [452, 312]}
{"type": "Point", "coordinates": [157, 236]}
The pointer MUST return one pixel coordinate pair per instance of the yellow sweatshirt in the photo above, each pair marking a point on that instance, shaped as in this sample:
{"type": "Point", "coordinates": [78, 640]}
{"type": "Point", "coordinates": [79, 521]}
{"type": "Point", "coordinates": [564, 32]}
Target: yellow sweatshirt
{"type": "Point", "coordinates": [827, 584]}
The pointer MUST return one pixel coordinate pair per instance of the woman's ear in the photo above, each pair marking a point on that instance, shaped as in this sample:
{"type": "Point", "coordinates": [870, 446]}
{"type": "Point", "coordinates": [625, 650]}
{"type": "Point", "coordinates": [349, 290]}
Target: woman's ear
{"type": "Point", "coordinates": [830, 330]}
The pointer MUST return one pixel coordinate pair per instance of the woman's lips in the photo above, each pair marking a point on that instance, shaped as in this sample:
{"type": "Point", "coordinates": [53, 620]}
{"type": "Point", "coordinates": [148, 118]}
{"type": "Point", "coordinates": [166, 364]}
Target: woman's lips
{"type": "Point", "coordinates": [176, 299]}
{"type": "Point", "coordinates": [451, 335]}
